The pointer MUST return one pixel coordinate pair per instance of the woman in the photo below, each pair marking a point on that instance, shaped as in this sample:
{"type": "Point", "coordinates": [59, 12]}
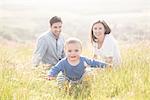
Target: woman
{"type": "Point", "coordinates": [104, 44]}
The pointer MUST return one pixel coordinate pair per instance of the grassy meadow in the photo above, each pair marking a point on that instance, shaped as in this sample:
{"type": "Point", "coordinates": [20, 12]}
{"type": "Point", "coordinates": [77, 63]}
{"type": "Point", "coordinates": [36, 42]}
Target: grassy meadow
{"type": "Point", "coordinates": [129, 81]}
{"type": "Point", "coordinates": [22, 21]}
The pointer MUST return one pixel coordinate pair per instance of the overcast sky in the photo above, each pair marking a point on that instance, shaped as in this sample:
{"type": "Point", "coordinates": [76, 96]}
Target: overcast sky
{"type": "Point", "coordinates": [78, 6]}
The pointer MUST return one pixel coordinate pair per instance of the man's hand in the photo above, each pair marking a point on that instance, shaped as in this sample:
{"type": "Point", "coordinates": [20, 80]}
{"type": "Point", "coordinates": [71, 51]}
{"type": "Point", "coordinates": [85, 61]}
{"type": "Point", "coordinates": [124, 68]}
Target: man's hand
{"type": "Point", "coordinates": [47, 66]}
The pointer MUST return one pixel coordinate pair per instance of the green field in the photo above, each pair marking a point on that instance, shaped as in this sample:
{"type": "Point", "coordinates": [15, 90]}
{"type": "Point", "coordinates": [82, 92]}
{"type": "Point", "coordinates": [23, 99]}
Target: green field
{"type": "Point", "coordinates": [19, 81]}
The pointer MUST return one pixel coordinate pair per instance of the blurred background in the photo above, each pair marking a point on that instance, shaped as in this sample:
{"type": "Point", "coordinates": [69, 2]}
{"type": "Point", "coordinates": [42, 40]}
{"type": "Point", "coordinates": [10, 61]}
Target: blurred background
{"type": "Point", "coordinates": [25, 20]}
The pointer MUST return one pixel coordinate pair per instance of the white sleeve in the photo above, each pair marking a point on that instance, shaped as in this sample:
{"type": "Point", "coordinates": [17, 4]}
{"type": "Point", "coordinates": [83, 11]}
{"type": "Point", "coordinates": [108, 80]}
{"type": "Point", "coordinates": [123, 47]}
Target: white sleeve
{"type": "Point", "coordinates": [95, 49]}
{"type": "Point", "coordinates": [112, 46]}
{"type": "Point", "coordinates": [108, 47]}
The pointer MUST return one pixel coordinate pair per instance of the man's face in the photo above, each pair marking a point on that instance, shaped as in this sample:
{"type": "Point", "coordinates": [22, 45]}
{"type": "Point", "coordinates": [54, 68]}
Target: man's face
{"type": "Point", "coordinates": [56, 29]}
{"type": "Point", "coordinates": [73, 51]}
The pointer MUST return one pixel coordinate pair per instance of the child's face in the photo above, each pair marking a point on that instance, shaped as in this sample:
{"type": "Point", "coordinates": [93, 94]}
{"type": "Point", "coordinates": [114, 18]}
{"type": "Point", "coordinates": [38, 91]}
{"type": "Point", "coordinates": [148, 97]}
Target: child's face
{"type": "Point", "coordinates": [73, 51]}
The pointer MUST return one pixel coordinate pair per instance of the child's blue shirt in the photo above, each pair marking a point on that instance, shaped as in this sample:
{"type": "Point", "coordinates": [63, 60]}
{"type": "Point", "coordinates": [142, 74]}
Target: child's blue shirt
{"type": "Point", "coordinates": [74, 72]}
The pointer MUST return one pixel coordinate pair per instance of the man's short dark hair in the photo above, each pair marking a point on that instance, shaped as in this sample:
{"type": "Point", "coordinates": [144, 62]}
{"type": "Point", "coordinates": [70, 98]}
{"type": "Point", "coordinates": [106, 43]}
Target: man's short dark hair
{"type": "Point", "coordinates": [55, 19]}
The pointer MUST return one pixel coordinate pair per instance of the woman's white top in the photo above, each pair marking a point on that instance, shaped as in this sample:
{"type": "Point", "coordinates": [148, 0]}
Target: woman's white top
{"type": "Point", "coordinates": [109, 48]}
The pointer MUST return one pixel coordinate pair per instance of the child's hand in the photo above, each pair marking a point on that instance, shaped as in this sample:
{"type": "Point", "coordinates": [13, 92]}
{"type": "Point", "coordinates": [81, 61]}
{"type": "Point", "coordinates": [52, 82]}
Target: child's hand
{"type": "Point", "coordinates": [50, 78]}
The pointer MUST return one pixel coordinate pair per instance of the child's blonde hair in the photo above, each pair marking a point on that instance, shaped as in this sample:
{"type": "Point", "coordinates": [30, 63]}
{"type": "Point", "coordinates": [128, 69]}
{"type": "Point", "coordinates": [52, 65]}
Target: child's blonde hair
{"type": "Point", "coordinates": [73, 40]}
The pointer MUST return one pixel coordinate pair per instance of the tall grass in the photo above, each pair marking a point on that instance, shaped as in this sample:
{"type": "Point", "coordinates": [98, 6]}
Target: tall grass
{"type": "Point", "coordinates": [129, 81]}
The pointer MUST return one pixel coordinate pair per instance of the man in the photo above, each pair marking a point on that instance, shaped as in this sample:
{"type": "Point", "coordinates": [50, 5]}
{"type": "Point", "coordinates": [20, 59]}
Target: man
{"type": "Point", "coordinates": [50, 45]}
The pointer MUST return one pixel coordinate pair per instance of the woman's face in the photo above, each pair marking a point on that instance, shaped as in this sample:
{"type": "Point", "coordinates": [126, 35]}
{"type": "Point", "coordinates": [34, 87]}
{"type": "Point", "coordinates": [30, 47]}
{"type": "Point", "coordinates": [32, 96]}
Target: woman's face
{"type": "Point", "coordinates": [99, 31]}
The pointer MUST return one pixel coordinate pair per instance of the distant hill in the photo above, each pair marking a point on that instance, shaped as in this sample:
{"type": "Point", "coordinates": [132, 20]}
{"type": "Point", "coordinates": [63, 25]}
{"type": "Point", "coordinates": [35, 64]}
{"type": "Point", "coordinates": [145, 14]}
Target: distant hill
{"type": "Point", "coordinates": [26, 20]}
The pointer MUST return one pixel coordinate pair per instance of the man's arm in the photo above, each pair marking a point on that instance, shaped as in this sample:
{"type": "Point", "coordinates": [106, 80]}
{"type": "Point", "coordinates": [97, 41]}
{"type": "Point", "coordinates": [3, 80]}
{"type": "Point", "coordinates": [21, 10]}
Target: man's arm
{"type": "Point", "coordinates": [39, 52]}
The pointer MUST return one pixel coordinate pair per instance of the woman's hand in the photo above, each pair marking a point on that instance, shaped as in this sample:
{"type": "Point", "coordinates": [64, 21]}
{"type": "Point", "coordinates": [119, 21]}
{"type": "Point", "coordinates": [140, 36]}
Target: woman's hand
{"type": "Point", "coordinates": [95, 56]}
{"type": "Point", "coordinates": [108, 60]}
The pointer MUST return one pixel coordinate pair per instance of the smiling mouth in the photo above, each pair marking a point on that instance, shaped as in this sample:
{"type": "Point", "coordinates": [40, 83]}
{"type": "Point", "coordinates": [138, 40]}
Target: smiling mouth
{"type": "Point", "coordinates": [73, 56]}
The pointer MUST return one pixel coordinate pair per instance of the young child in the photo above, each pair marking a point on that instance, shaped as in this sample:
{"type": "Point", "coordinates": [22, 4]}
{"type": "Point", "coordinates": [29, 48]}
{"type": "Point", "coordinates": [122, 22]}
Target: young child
{"type": "Point", "coordinates": [73, 65]}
